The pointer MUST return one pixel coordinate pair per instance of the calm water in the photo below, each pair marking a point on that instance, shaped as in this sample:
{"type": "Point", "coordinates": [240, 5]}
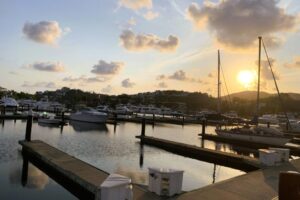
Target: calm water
{"type": "Point", "coordinates": [113, 149]}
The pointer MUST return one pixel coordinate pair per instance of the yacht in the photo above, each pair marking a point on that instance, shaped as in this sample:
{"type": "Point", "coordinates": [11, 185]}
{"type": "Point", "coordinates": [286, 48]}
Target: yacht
{"type": "Point", "coordinates": [89, 115]}
{"type": "Point", "coordinates": [8, 102]}
{"type": "Point", "coordinates": [103, 108]}
{"type": "Point", "coordinates": [48, 119]}
{"type": "Point", "coordinates": [256, 134]}
{"type": "Point", "coordinates": [27, 103]}
{"type": "Point", "coordinates": [123, 110]}
{"type": "Point", "coordinates": [293, 127]}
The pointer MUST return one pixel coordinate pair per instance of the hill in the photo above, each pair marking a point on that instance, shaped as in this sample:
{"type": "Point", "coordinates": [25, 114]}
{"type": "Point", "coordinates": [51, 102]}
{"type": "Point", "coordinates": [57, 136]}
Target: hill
{"type": "Point", "coordinates": [252, 95]}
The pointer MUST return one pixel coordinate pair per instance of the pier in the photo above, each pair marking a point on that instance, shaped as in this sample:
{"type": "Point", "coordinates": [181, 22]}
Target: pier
{"type": "Point", "coordinates": [78, 177]}
{"type": "Point", "coordinates": [243, 163]}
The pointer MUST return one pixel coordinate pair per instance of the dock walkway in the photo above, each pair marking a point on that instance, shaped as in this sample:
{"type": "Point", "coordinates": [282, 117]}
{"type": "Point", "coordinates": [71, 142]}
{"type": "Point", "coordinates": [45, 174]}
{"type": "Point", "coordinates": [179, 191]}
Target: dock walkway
{"type": "Point", "coordinates": [257, 185]}
{"type": "Point", "coordinates": [69, 171]}
{"type": "Point", "coordinates": [235, 161]}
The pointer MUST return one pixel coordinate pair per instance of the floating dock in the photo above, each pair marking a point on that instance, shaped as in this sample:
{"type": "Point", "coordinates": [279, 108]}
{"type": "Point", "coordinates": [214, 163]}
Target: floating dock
{"type": "Point", "coordinates": [294, 148]}
{"type": "Point", "coordinates": [80, 178]}
{"type": "Point", "coordinates": [240, 162]}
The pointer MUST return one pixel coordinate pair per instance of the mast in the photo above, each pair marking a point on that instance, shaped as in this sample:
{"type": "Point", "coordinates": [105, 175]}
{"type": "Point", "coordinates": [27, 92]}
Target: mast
{"type": "Point", "coordinates": [258, 80]}
{"type": "Point", "coordinates": [219, 84]}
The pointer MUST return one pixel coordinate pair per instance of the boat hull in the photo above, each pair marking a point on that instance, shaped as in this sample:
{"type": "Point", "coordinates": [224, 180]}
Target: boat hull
{"type": "Point", "coordinates": [88, 118]}
{"type": "Point", "coordinates": [254, 138]}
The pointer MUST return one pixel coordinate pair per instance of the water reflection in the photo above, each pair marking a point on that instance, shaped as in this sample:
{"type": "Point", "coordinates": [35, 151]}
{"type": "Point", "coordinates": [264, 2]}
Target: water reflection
{"type": "Point", "coordinates": [28, 176]}
{"type": "Point", "coordinates": [85, 126]}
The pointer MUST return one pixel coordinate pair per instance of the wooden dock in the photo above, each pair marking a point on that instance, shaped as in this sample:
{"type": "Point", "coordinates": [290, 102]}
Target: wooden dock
{"type": "Point", "coordinates": [80, 178]}
{"type": "Point", "coordinates": [294, 149]}
{"type": "Point", "coordinates": [235, 161]}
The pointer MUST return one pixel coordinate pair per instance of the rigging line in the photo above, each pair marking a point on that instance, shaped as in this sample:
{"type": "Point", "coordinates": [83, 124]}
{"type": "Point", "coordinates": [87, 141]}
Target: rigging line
{"type": "Point", "coordinates": [279, 96]}
{"type": "Point", "coordinates": [228, 94]}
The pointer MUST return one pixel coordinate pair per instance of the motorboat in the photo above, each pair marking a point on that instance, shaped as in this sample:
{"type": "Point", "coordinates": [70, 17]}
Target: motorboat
{"type": "Point", "coordinates": [8, 102]}
{"type": "Point", "coordinates": [256, 134]}
{"type": "Point", "coordinates": [123, 110]}
{"type": "Point", "coordinates": [44, 118]}
{"type": "Point", "coordinates": [103, 108]}
{"type": "Point", "coordinates": [85, 127]}
{"type": "Point", "coordinates": [89, 115]}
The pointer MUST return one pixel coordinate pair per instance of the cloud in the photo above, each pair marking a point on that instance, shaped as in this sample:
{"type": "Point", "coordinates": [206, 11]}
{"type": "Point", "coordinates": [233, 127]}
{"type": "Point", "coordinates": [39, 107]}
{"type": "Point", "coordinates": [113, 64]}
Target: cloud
{"type": "Point", "coordinates": [107, 89]}
{"type": "Point", "coordinates": [104, 68]}
{"type": "Point", "coordinates": [238, 23]}
{"type": "Point", "coordinates": [141, 42]}
{"type": "Point", "coordinates": [85, 79]}
{"type": "Point", "coordinates": [46, 32]}
{"type": "Point", "coordinates": [126, 83]}
{"type": "Point", "coordinates": [50, 85]}
{"type": "Point", "coordinates": [179, 75]}
{"type": "Point", "coordinates": [294, 64]}
{"type": "Point", "coordinates": [162, 85]}
{"type": "Point", "coordinates": [150, 15]}
{"type": "Point", "coordinates": [136, 4]}
{"type": "Point", "coordinates": [161, 77]}
{"type": "Point", "coordinates": [266, 73]}
{"type": "Point", "coordinates": [131, 21]}
{"type": "Point", "coordinates": [47, 66]}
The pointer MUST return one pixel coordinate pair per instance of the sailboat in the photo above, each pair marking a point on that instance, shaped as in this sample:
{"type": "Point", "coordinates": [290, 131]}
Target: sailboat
{"type": "Point", "coordinates": [256, 133]}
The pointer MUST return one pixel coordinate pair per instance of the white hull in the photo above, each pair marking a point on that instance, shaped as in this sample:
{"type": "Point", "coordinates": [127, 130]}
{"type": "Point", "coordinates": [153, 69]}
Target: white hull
{"type": "Point", "coordinates": [86, 117]}
{"type": "Point", "coordinates": [254, 138]}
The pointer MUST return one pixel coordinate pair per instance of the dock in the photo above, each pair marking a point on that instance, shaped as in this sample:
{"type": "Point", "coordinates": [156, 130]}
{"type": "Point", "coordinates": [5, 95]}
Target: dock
{"type": "Point", "coordinates": [261, 184]}
{"type": "Point", "coordinates": [235, 161]}
{"type": "Point", "coordinates": [80, 178]}
{"type": "Point", "coordinates": [294, 149]}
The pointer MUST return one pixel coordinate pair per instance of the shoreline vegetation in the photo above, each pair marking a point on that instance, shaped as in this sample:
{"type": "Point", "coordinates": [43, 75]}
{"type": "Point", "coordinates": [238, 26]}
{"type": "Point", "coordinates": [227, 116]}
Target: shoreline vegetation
{"type": "Point", "coordinates": [188, 102]}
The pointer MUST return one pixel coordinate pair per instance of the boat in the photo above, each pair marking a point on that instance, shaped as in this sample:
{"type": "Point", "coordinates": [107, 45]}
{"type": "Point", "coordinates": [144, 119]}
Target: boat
{"type": "Point", "coordinates": [8, 102]}
{"type": "Point", "coordinates": [268, 118]}
{"type": "Point", "coordinates": [103, 108]}
{"type": "Point", "coordinates": [44, 118]}
{"type": "Point", "coordinates": [122, 110]}
{"type": "Point", "coordinates": [258, 134]}
{"type": "Point", "coordinates": [85, 127]}
{"type": "Point", "coordinates": [89, 115]}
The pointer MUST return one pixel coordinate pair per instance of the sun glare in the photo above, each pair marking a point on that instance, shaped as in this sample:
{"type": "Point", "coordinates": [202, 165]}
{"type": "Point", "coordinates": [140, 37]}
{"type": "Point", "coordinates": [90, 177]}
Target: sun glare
{"type": "Point", "coordinates": [246, 78]}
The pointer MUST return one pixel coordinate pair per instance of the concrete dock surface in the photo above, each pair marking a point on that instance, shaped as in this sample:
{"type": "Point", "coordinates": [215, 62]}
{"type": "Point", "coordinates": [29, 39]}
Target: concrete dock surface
{"type": "Point", "coordinates": [83, 174]}
{"type": "Point", "coordinates": [256, 185]}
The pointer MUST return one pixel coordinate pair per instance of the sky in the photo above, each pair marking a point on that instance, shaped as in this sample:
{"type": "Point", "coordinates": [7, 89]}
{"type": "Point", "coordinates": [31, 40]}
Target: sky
{"type": "Point", "coordinates": [131, 46]}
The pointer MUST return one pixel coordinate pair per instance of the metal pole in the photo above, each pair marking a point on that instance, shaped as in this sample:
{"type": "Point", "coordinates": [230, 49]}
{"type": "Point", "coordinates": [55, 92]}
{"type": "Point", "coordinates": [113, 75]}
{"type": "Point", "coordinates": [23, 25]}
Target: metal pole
{"type": "Point", "coordinates": [258, 80]}
{"type": "Point", "coordinates": [219, 83]}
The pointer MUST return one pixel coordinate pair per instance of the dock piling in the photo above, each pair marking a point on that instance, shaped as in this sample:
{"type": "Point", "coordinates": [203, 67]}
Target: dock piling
{"type": "Point", "coordinates": [28, 126]}
{"type": "Point", "coordinates": [203, 126]}
{"type": "Point", "coordinates": [143, 127]}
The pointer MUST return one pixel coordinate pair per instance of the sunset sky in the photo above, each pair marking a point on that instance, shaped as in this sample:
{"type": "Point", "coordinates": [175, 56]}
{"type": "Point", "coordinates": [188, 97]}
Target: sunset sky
{"type": "Point", "coordinates": [131, 46]}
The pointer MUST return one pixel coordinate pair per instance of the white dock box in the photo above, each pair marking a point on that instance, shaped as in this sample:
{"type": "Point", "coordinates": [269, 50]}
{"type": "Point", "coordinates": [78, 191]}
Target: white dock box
{"type": "Point", "coordinates": [115, 187]}
{"type": "Point", "coordinates": [284, 154]}
{"type": "Point", "coordinates": [268, 157]}
{"type": "Point", "coordinates": [165, 182]}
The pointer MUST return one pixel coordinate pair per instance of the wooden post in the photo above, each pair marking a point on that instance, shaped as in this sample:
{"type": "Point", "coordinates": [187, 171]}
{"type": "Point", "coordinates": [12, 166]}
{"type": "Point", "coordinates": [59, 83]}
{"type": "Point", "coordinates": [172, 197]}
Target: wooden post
{"type": "Point", "coordinates": [63, 116]}
{"type": "Point", "coordinates": [268, 124]}
{"type": "Point", "coordinates": [4, 110]}
{"type": "Point", "coordinates": [153, 118]}
{"type": "Point", "coordinates": [28, 126]}
{"type": "Point", "coordinates": [143, 127]}
{"type": "Point", "coordinates": [203, 126]}
{"type": "Point", "coordinates": [287, 125]}
{"type": "Point", "coordinates": [24, 171]}
{"type": "Point", "coordinates": [182, 119]}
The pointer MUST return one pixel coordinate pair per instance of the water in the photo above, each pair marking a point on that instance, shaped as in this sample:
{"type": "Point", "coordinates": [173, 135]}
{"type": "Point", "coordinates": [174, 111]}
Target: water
{"type": "Point", "coordinates": [112, 149]}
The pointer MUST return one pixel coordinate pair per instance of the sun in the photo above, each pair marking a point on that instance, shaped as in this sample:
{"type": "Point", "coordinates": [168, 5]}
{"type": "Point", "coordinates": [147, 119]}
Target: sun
{"type": "Point", "coordinates": [246, 78]}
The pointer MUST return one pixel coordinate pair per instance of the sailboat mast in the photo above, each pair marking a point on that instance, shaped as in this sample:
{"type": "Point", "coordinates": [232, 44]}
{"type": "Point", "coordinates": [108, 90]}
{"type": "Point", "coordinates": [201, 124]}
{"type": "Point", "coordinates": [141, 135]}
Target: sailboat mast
{"type": "Point", "coordinates": [258, 79]}
{"type": "Point", "coordinates": [219, 83]}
